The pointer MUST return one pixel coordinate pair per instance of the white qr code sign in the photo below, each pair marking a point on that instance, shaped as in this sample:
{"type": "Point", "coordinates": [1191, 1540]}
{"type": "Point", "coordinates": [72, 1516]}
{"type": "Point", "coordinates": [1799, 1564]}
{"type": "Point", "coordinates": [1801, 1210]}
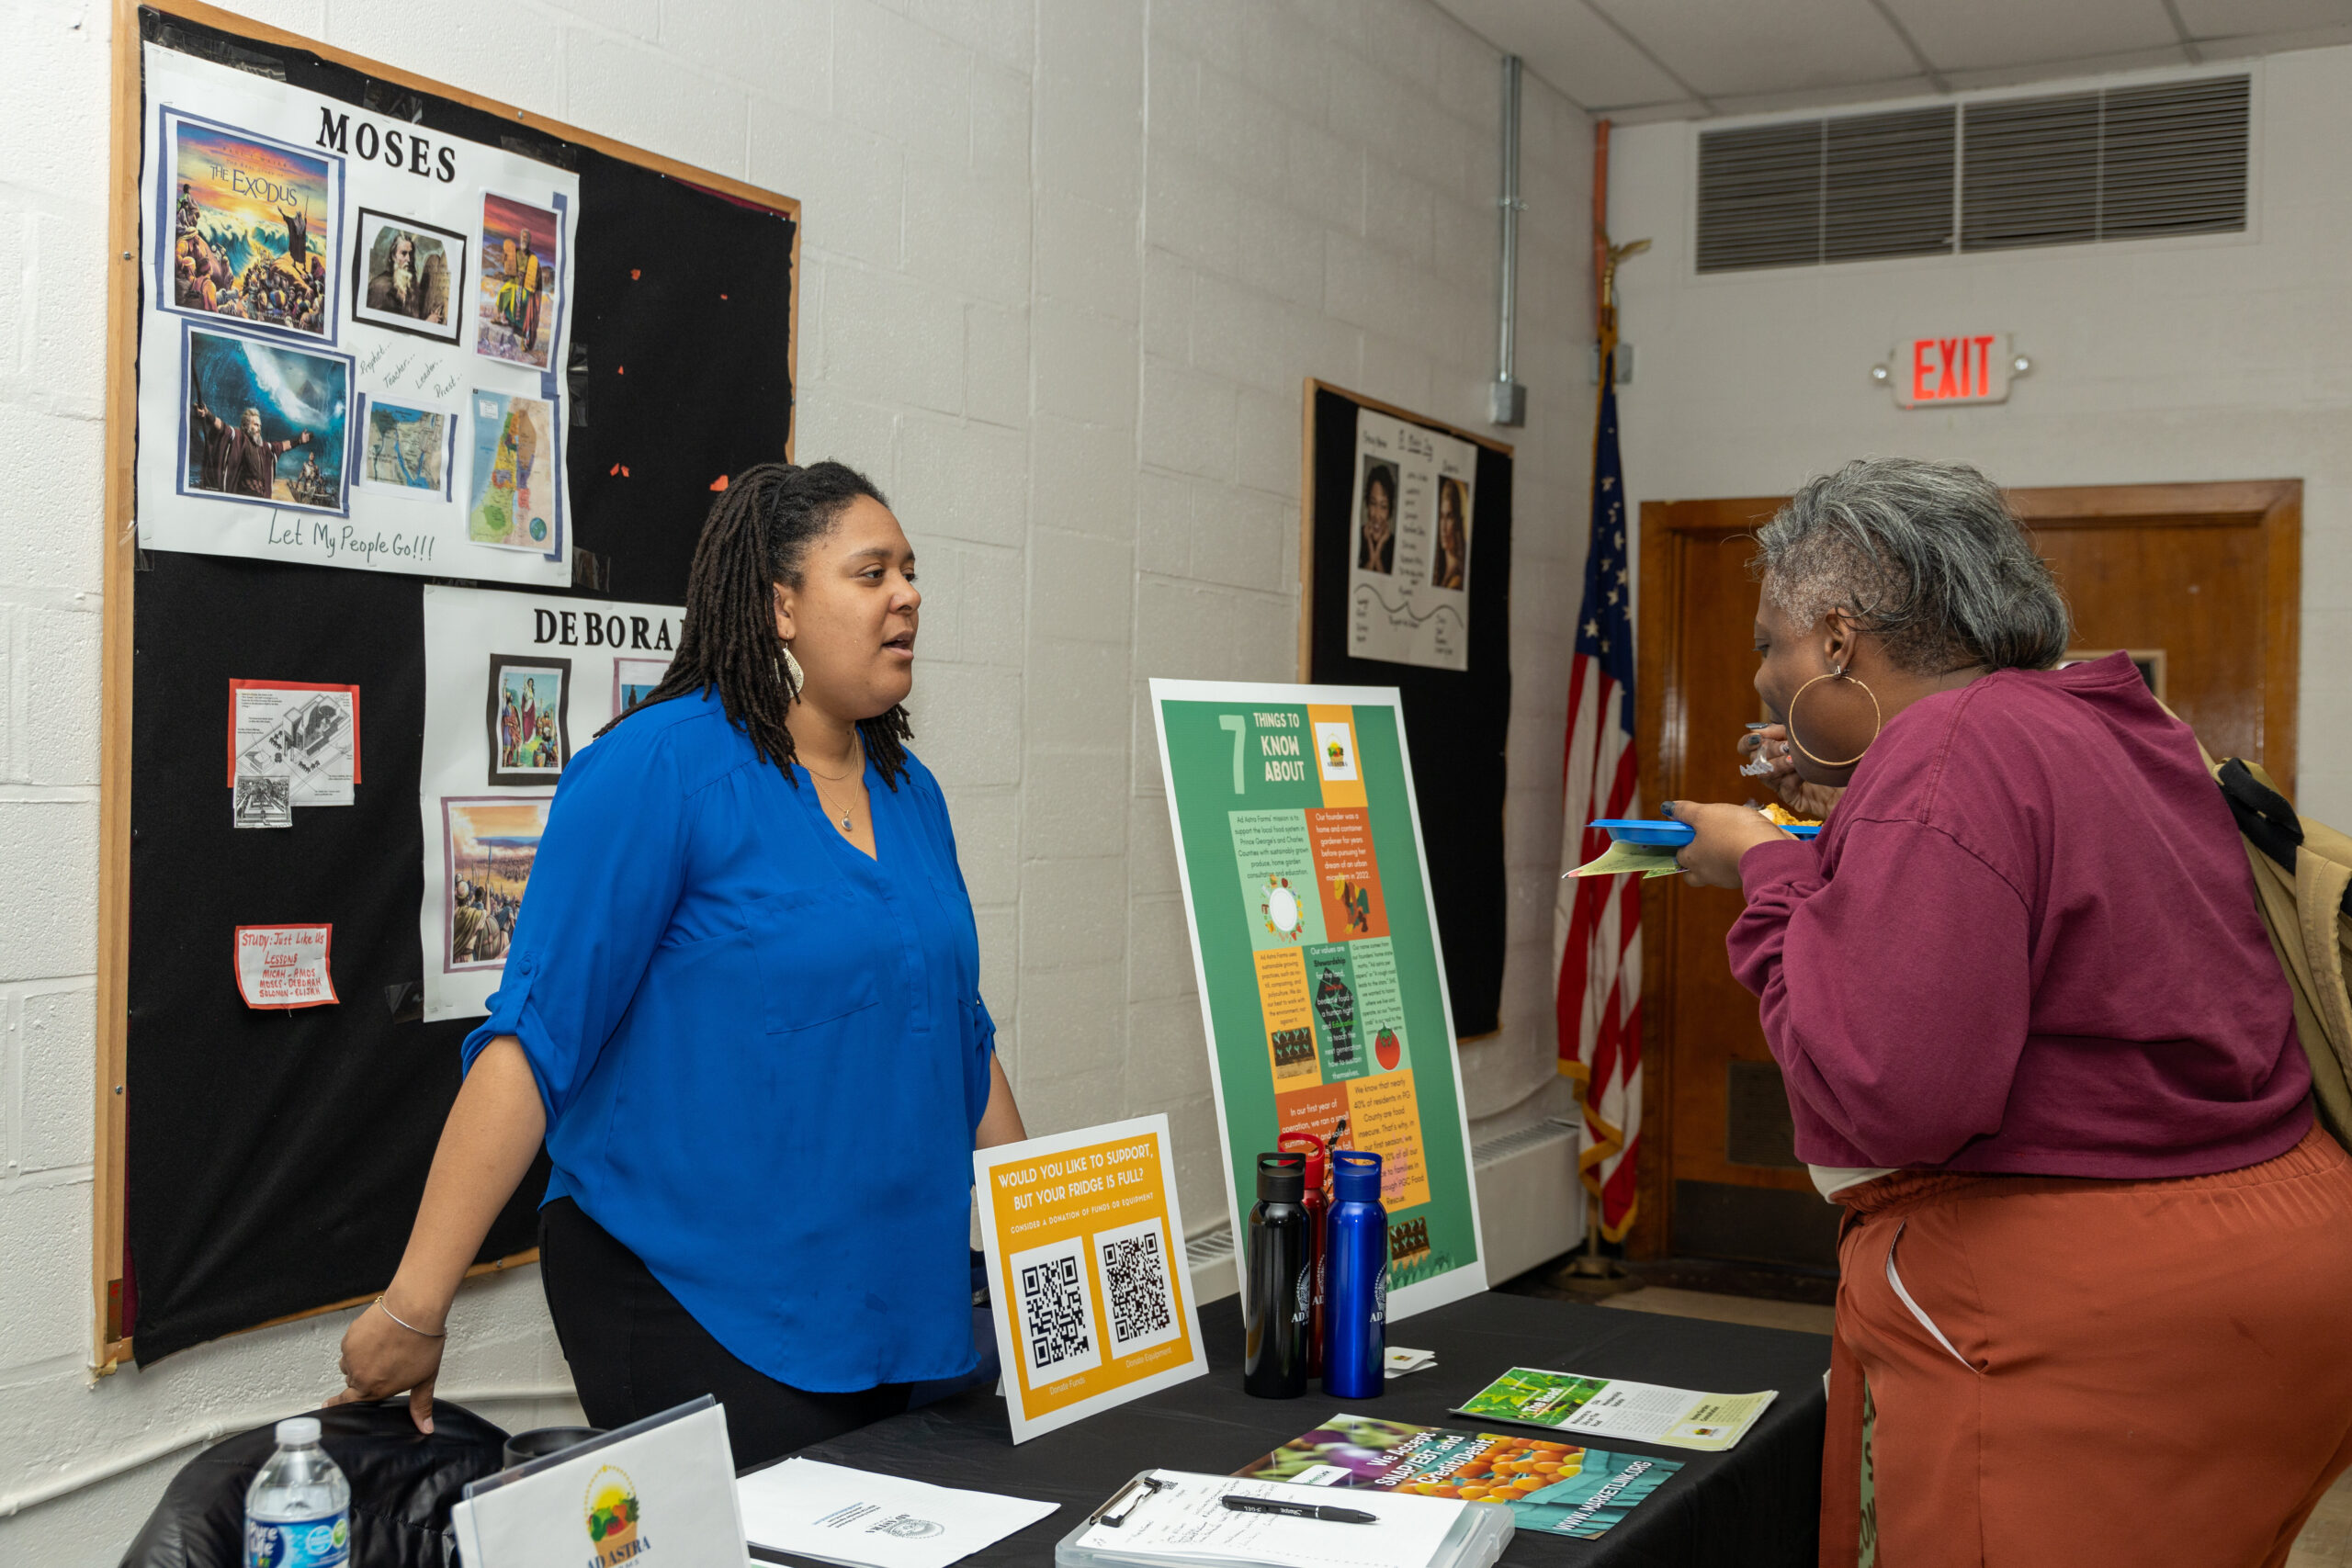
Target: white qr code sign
{"type": "Point", "coordinates": [1088, 1287]}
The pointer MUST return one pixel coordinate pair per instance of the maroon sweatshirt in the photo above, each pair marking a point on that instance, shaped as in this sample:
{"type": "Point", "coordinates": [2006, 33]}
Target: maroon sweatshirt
{"type": "Point", "coordinates": [2027, 942]}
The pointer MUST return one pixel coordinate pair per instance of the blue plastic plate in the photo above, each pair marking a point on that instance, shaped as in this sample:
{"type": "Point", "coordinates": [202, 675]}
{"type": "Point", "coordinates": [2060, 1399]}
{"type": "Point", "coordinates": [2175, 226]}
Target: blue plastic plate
{"type": "Point", "coordinates": [1639, 830]}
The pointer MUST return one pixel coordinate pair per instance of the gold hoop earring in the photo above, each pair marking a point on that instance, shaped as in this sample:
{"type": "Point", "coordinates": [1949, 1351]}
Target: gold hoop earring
{"type": "Point", "coordinates": [1878, 719]}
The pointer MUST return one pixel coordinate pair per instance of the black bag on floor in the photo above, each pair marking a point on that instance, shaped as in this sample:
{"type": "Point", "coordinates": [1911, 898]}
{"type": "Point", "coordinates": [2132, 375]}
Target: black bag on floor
{"type": "Point", "coordinates": [404, 1485]}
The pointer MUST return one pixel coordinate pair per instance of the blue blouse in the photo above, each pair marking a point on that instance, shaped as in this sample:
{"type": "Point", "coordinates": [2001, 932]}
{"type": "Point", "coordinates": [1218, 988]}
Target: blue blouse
{"type": "Point", "coordinates": [763, 1055]}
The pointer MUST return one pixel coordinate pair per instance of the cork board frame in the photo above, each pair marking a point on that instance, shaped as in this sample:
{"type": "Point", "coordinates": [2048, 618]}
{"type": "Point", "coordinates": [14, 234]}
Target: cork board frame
{"type": "Point", "coordinates": [127, 571]}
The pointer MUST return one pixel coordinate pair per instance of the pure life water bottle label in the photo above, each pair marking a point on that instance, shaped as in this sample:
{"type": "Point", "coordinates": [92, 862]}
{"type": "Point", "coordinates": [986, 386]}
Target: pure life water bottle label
{"type": "Point", "coordinates": [298, 1543]}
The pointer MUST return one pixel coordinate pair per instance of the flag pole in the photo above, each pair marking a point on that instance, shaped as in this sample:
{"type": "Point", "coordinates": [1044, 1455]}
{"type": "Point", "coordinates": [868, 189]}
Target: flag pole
{"type": "Point", "coordinates": [1590, 1273]}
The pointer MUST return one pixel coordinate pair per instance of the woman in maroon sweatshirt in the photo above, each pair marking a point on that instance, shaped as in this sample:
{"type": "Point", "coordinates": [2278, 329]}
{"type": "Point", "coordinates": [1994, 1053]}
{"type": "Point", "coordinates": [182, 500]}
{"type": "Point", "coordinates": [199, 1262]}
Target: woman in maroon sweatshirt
{"type": "Point", "coordinates": [2096, 1292]}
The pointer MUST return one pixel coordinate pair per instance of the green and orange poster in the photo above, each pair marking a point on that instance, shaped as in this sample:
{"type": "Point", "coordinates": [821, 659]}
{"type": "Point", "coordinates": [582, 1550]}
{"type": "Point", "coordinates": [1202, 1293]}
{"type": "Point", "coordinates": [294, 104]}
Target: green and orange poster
{"type": "Point", "coordinates": [1315, 947]}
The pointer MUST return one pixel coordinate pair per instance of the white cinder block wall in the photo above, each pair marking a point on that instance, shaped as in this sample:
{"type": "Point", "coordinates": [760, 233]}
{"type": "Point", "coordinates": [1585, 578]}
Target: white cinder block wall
{"type": "Point", "coordinates": [2209, 357]}
{"type": "Point", "coordinates": [1066, 264]}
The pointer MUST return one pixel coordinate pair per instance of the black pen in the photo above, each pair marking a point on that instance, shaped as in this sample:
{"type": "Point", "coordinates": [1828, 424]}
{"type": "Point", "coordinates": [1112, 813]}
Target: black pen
{"type": "Point", "coordinates": [1327, 1514]}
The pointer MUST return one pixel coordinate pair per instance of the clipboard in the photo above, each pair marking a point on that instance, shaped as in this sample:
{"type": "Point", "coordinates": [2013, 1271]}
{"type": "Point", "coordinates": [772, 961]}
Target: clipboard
{"type": "Point", "coordinates": [1476, 1540]}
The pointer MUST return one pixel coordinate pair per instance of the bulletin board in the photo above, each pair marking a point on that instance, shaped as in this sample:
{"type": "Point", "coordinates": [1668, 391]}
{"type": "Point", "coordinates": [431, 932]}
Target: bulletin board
{"type": "Point", "coordinates": [1389, 615]}
{"type": "Point", "coordinates": [256, 1162]}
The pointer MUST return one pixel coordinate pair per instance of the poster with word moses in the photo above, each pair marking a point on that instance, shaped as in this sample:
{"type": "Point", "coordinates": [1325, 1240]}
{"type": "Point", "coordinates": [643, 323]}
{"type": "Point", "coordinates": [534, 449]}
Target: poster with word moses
{"type": "Point", "coordinates": [1315, 946]}
{"type": "Point", "coordinates": [310, 330]}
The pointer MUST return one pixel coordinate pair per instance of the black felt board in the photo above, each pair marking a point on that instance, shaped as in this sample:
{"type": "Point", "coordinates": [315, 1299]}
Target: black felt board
{"type": "Point", "coordinates": [1456, 721]}
{"type": "Point", "coordinates": [1757, 1505]}
{"type": "Point", "coordinates": [274, 1160]}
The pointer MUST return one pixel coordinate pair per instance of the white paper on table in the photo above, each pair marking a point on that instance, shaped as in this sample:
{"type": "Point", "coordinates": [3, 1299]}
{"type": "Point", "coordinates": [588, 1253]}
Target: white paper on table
{"type": "Point", "coordinates": [835, 1514]}
{"type": "Point", "coordinates": [1187, 1521]}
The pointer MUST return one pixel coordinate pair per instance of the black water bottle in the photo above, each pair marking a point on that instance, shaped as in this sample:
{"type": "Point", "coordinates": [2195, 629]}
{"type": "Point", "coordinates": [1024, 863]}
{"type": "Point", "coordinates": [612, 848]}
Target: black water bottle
{"type": "Point", "coordinates": [1280, 1290]}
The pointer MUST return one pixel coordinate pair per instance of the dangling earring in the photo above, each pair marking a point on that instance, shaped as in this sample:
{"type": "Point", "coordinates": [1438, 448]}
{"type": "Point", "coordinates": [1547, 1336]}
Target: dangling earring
{"type": "Point", "coordinates": [793, 678]}
{"type": "Point", "coordinates": [1877, 722]}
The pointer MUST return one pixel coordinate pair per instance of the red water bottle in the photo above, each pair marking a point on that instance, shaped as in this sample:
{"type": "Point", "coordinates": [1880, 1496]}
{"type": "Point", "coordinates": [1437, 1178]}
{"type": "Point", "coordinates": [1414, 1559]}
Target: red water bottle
{"type": "Point", "coordinates": [1318, 1204]}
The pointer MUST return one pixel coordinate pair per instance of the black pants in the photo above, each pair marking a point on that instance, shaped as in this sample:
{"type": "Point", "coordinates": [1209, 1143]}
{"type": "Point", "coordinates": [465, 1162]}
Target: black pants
{"type": "Point", "coordinates": [636, 1352]}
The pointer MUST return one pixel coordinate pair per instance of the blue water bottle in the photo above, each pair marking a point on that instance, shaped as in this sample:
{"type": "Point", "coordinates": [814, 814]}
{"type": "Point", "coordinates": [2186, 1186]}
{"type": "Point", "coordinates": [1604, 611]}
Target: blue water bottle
{"type": "Point", "coordinates": [1355, 1289]}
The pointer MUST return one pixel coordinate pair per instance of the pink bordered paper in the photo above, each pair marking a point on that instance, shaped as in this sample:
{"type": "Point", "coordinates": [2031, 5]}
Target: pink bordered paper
{"type": "Point", "coordinates": [285, 966]}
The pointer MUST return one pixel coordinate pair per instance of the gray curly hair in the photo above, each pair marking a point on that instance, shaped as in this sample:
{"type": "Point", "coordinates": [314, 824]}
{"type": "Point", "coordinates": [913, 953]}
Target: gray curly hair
{"type": "Point", "coordinates": [1926, 557]}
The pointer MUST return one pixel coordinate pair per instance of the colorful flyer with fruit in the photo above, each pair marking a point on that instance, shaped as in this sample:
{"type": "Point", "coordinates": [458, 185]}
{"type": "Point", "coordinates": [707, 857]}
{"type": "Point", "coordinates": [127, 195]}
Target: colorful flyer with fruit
{"type": "Point", "coordinates": [1315, 947]}
{"type": "Point", "coordinates": [1554, 1488]}
{"type": "Point", "coordinates": [1088, 1281]}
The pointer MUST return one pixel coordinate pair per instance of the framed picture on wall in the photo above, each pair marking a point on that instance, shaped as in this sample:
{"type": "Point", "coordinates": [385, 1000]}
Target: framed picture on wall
{"type": "Point", "coordinates": [409, 275]}
{"type": "Point", "coordinates": [529, 718]}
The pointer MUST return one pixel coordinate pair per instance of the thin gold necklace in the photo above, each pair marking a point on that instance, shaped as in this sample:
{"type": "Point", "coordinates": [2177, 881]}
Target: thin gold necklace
{"type": "Point", "coordinates": [857, 760]}
{"type": "Point", "coordinates": [814, 775]}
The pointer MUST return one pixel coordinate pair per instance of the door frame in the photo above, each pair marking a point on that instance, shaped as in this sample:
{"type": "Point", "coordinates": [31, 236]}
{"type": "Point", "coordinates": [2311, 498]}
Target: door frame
{"type": "Point", "coordinates": [1670, 530]}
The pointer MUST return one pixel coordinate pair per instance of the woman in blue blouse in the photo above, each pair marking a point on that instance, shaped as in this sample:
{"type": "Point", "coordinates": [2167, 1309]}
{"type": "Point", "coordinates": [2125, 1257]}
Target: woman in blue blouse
{"type": "Point", "coordinates": [742, 1010]}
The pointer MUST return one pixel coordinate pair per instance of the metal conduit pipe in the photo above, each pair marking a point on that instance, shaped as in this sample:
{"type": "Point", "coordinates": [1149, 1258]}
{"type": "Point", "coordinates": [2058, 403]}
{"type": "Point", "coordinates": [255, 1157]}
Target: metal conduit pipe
{"type": "Point", "coordinates": [1510, 394]}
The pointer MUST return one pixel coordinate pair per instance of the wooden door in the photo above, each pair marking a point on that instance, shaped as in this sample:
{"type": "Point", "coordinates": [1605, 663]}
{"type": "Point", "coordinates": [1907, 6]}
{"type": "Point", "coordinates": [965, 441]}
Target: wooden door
{"type": "Point", "coordinates": [2200, 583]}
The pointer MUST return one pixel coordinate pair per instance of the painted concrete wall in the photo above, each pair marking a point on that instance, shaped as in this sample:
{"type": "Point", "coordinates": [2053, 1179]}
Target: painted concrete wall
{"type": "Point", "coordinates": [2197, 358]}
{"type": "Point", "coordinates": [1067, 264]}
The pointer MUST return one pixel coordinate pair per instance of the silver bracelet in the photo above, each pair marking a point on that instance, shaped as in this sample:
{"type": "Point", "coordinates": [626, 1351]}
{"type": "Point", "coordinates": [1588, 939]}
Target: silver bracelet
{"type": "Point", "coordinates": [406, 1324]}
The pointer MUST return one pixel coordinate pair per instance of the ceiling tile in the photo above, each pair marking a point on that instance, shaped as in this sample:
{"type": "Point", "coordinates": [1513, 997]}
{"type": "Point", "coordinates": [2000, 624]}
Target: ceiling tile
{"type": "Point", "coordinates": [2241, 18]}
{"type": "Point", "coordinates": [1739, 47]}
{"type": "Point", "coordinates": [1981, 35]}
{"type": "Point", "coordinates": [1564, 43]}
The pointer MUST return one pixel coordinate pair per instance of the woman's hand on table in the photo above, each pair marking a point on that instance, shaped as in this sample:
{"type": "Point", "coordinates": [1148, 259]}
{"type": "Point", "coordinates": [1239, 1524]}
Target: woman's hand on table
{"type": "Point", "coordinates": [1725, 834]}
{"type": "Point", "coordinates": [381, 1358]}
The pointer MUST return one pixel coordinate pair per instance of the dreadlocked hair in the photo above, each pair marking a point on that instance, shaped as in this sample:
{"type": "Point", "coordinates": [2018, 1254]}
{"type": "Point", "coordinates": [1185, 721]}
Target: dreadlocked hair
{"type": "Point", "coordinates": [758, 533]}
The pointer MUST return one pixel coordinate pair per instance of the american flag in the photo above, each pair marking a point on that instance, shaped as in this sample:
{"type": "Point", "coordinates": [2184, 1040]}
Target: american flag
{"type": "Point", "coordinates": [1597, 919]}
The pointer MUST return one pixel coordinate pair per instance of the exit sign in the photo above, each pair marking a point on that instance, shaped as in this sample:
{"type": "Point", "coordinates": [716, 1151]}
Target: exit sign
{"type": "Point", "coordinates": [1971, 369]}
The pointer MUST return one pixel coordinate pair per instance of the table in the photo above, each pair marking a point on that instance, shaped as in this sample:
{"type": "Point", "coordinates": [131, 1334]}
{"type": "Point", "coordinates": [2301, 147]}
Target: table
{"type": "Point", "coordinates": [1756, 1505]}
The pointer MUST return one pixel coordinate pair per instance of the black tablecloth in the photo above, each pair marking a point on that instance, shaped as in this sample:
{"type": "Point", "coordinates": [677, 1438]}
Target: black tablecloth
{"type": "Point", "coordinates": [1756, 1505]}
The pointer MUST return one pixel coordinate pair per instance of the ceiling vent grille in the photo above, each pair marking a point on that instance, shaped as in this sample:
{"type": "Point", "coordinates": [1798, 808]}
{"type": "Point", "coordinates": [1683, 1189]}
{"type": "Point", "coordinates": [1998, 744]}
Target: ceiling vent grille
{"type": "Point", "coordinates": [2127, 163]}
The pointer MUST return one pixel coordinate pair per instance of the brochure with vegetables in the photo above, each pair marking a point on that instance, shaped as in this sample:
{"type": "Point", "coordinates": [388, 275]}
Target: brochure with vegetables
{"type": "Point", "coordinates": [1553, 1488]}
{"type": "Point", "coordinates": [1608, 1407]}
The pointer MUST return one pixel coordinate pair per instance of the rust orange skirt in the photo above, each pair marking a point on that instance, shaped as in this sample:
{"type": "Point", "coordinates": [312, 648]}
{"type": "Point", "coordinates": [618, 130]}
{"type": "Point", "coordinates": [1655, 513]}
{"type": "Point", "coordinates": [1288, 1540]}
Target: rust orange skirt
{"type": "Point", "coordinates": [2066, 1372]}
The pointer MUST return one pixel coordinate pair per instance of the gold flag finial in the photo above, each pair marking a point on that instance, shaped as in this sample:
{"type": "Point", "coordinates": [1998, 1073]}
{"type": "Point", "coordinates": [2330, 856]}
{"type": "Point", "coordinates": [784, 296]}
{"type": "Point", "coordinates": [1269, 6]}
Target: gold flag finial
{"type": "Point", "coordinates": [1615, 253]}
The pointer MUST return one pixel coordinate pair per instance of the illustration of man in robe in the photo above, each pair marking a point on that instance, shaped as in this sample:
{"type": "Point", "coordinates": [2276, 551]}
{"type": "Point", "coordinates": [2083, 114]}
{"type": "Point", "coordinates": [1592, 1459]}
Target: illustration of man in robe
{"type": "Point", "coordinates": [402, 288]}
{"type": "Point", "coordinates": [509, 731]}
{"type": "Point", "coordinates": [530, 721]}
{"type": "Point", "coordinates": [298, 242]}
{"type": "Point", "coordinates": [518, 295]}
{"type": "Point", "coordinates": [237, 459]}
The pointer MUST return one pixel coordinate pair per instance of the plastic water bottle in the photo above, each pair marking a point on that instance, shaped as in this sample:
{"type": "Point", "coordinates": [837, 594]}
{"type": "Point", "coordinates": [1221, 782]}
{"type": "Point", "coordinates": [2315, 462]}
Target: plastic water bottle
{"type": "Point", "coordinates": [297, 1511]}
{"type": "Point", "coordinates": [1355, 1277]}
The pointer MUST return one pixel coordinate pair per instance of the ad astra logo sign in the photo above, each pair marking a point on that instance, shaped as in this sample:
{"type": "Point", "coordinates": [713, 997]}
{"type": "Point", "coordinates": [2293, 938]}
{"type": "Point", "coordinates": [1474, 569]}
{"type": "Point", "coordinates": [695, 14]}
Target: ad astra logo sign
{"type": "Point", "coordinates": [398, 149]}
{"type": "Point", "coordinates": [1935, 371]}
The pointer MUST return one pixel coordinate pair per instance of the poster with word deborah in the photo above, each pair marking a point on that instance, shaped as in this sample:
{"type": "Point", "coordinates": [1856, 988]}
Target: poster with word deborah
{"type": "Point", "coordinates": [350, 334]}
{"type": "Point", "coordinates": [515, 686]}
{"type": "Point", "coordinates": [1090, 1289]}
{"type": "Point", "coordinates": [1315, 946]}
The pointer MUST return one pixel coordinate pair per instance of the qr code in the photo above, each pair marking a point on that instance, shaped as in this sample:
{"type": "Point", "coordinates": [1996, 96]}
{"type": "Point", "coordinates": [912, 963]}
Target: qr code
{"type": "Point", "coordinates": [1135, 1288]}
{"type": "Point", "coordinates": [1053, 1305]}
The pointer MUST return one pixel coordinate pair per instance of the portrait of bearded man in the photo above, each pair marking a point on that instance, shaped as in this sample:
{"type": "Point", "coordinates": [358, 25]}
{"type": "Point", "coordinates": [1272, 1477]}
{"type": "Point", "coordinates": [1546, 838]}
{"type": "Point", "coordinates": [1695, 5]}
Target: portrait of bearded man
{"type": "Point", "coordinates": [403, 287]}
